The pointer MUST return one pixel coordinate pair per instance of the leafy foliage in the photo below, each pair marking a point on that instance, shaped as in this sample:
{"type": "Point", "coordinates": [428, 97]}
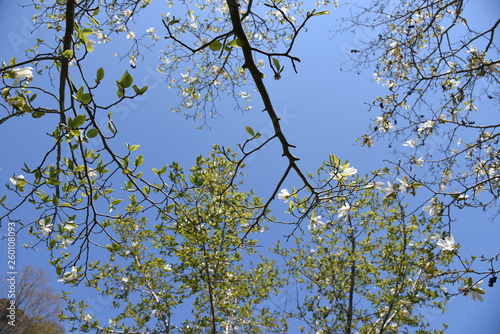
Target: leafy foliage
{"type": "Point", "coordinates": [371, 259]}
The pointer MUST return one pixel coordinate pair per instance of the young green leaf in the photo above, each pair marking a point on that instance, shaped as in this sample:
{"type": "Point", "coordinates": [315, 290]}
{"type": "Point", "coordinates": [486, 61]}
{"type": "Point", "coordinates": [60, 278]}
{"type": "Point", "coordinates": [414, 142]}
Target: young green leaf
{"type": "Point", "coordinates": [99, 74]}
{"type": "Point", "coordinates": [126, 80]}
{"type": "Point", "coordinates": [276, 64]}
{"type": "Point", "coordinates": [92, 133]}
{"type": "Point", "coordinates": [237, 43]}
{"type": "Point", "coordinates": [215, 45]}
{"type": "Point", "coordinates": [67, 54]}
{"type": "Point", "coordinates": [324, 12]}
{"type": "Point", "coordinates": [133, 147]}
{"type": "Point", "coordinates": [250, 131]}
{"type": "Point", "coordinates": [78, 121]}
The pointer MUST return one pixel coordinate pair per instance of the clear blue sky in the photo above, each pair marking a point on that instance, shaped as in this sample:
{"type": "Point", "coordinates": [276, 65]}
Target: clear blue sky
{"type": "Point", "coordinates": [324, 112]}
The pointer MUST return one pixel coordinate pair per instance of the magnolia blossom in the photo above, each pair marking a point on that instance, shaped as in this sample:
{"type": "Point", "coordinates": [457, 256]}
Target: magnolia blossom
{"type": "Point", "coordinates": [100, 37]}
{"type": "Point", "coordinates": [476, 293]}
{"type": "Point", "coordinates": [15, 180]}
{"type": "Point", "coordinates": [151, 32]}
{"type": "Point", "coordinates": [447, 244]}
{"type": "Point", "coordinates": [284, 195]}
{"type": "Point", "coordinates": [44, 228]}
{"type": "Point", "coordinates": [349, 171]}
{"type": "Point", "coordinates": [434, 207]}
{"type": "Point", "coordinates": [130, 35]}
{"type": "Point", "coordinates": [410, 143]}
{"type": "Point", "coordinates": [389, 189]}
{"type": "Point", "coordinates": [91, 172]}
{"type": "Point", "coordinates": [426, 125]}
{"type": "Point", "coordinates": [167, 267]}
{"type": "Point", "coordinates": [403, 186]}
{"type": "Point", "coordinates": [70, 275]}
{"type": "Point", "coordinates": [70, 226]}
{"type": "Point", "coordinates": [124, 279]}
{"type": "Point", "coordinates": [344, 210]}
{"type": "Point", "coordinates": [22, 73]}
{"type": "Point", "coordinates": [375, 185]}
{"type": "Point", "coordinates": [88, 317]}
{"type": "Point", "coordinates": [419, 162]}
{"type": "Point", "coordinates": [315, 222]}
{"type": "Point", "coordinates": [66, 242]}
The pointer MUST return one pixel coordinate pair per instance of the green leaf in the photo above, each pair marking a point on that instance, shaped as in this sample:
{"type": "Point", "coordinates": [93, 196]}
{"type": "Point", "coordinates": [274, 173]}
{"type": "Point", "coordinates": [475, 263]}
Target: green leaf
{"type": "Point", "coordinates": [78, 120]}
{"type": "Point", "coordinates": [87, 31]}
{"type": "Point", "coordinates": [113, 247]}
{"type": "Point", "coordinates": [237, 43]}
{"type": "Point", "coordinates": [120, 92]}
{"type": "Point", "coordinates": [126, 80]}
{"type": "Point", "coordinates": [111, 127]}
{"type": "Point", "coordinates": [37, 114]}
{"type": "Point", "coordinates": [250, 131]}
{"type": "Point", "coordinates": [133, 147]}
{"type": "Point", "coordinates": [324, 12]}
{"type": "Point", "coordinates": [53, 182]}
{"type": "Point", "coordinates": [276, 64]}
{"type": "Point", "coordinates": [92, 133]}
{"type": "Point", "coordinates": [86, 98]}
{"type": "Point", "coordinates": [116, 201]}
{"type": "Point", "coordinates": [68, 54]}
{"type": "Point", "coordinates": [139, 160]}
{"type": "Point", "coordinates": [52, 244]}
{"type": "Point", "coordinates": [59, 270]}
{"type": "Point", "coordinates": [215, 45]}
{"type": "Point", "coordinates": [100, 74]}
{"type": "Point", "coordinates": [174, 21]}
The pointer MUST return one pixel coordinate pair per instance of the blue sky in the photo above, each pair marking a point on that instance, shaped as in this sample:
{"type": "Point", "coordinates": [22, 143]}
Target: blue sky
{"type": "Point", "coordinates": [322, 109]}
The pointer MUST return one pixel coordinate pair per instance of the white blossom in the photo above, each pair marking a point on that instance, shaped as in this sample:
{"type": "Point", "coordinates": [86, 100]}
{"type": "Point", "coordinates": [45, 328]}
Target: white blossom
{"type": "Point", "coordinates": [434, 207]}
{"type": "Point", "coordinates": [346, 172]}
{"type": "Point", "coordinates": [101, 38]}
{"type": "Point", "coordinates": [16, 180]}
{"type": "Point", "coordinates": [427, 125]}
{"type": "Point", "coordinates": [476, 293]}
{"type": "Point", "coordinates": [130, 35]}
{"type": "Point", "coordinates": [66, 242]}
{"type": "Point", "coordinates": [410, 143]}
{"type": "Point", "coordinates": [127, 13]}
{"type": "Point", "coordinates": [447, 243]}
{"type": "Point", "coordinates": [44, 227]}
{"type": "Point", "coordinates": [91, 172]}
{"type": "Point", "coordinates": [284, 195]}
{"type": "Point", "coordinates": [70, 275]}
{"type": "Point", "coordinates": [69, 226]}
{"type": "Point", "coordinates": [375, 185]}
{"type": "Point", "coordinates": [344, 210]}
{"type": "Point", "coordinates": [315, 222]}
{"type": "Point", "coordinates": [403, 186]}
{"type": "Point", "coordinates": [22, 73]}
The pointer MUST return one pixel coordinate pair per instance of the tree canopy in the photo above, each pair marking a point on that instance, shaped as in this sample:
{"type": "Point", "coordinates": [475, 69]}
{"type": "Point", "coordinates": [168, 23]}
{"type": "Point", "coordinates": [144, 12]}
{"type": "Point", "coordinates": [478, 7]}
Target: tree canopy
{"type": "Point", "coordinates": [37, 306]}
{"type": "Point", "coordinates": [197, 250]}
